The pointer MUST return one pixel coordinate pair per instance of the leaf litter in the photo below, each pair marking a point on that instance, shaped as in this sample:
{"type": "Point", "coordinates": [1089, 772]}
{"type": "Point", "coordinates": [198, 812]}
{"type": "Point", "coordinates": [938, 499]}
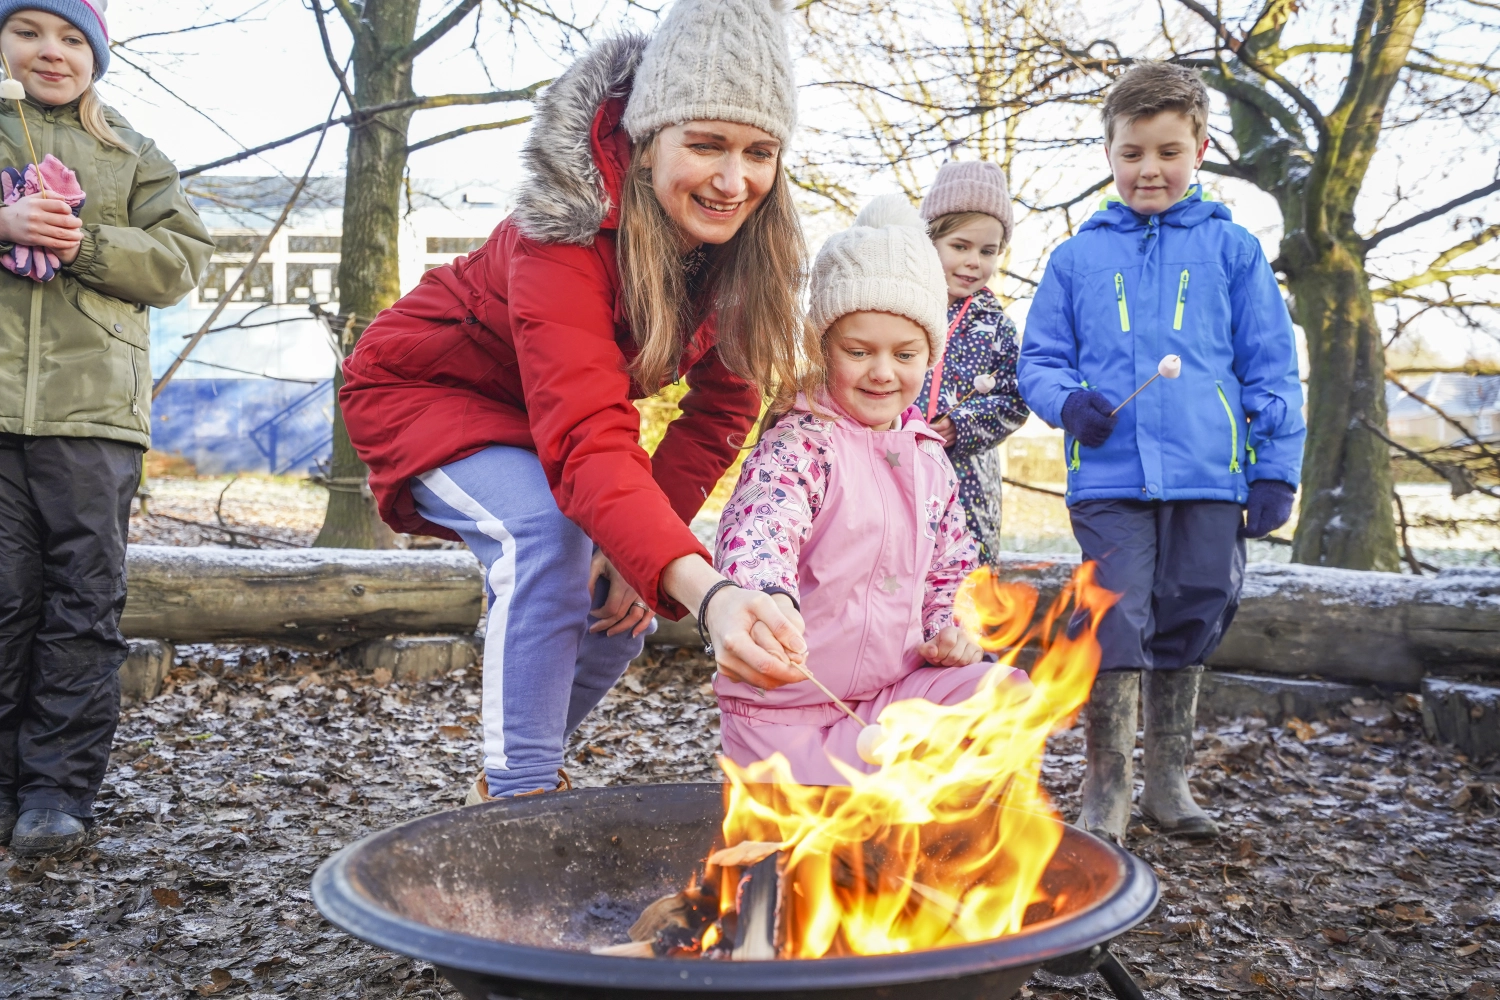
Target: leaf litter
{"type": "Point", "coordinates": [1358, 860]}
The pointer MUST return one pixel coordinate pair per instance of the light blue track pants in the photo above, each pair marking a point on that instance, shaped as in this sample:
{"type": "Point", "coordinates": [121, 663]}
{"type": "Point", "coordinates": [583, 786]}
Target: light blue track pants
{"type": "Point", "coordinates": [543, 670]}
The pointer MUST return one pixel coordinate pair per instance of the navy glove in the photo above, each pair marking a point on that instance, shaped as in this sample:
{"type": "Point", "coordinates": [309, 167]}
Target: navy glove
{"type": "Point", "coordinates": [1269, 507]}
{"type": "Point", "coordinates": [1086, 415]}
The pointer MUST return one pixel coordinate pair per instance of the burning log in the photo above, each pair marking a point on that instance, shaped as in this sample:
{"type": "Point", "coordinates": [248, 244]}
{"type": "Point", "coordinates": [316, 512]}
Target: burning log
{"type": "Point", "coordinates": [759, 934]}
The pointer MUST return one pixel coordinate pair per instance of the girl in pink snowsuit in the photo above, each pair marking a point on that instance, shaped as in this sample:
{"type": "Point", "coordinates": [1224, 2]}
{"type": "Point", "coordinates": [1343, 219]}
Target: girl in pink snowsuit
{"type": "Point", "coordinates": [847, 512]}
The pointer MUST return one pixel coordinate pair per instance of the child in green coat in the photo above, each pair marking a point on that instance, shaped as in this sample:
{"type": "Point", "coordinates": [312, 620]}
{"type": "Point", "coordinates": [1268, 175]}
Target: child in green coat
{"type": "Point", "coordinates": [94, 229]}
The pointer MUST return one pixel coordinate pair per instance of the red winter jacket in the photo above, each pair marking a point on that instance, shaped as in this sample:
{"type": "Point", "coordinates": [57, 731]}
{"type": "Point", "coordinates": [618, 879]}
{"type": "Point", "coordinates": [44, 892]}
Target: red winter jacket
{"type": "Point", "coordinates": [524, 343]}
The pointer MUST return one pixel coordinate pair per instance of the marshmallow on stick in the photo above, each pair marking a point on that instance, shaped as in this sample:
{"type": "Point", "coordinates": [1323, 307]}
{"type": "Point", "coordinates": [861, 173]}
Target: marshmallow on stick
{"type": "Point", "coordinates": [11, 90]}
{"type": "Point", "coordinates": [1168, 367]}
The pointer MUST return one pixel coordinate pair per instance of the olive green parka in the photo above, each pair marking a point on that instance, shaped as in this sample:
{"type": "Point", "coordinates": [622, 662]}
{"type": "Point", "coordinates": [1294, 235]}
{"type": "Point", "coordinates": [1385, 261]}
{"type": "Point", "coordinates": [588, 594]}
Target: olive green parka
{"type": "Point", "coordinates": [74, 350]}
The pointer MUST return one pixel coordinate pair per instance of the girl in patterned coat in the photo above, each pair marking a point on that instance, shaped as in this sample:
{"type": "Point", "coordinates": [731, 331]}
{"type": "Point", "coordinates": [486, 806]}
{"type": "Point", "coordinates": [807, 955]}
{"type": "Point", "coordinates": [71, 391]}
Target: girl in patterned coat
{"type": "Point", "coordinates": [847, 512]}
{"type": "Point", "coordinates": [971, 397]}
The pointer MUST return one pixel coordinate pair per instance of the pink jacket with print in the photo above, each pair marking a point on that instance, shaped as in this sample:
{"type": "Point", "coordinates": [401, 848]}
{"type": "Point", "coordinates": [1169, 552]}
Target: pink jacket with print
{"type": "Point", "coordinates": [865, 529]}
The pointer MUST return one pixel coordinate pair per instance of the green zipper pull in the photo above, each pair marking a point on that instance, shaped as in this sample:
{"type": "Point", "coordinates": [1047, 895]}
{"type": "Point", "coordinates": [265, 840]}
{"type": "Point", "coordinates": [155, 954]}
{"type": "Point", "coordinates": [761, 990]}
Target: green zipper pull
{"type": "Point", "coordinates": [1077, 462]}
{"type": "Point", "coordinates": [1120, 298]}
{"type": "Point", "coordinates": [1234, 432]}
{"type": "Point", "coordinates": [1181, 300]}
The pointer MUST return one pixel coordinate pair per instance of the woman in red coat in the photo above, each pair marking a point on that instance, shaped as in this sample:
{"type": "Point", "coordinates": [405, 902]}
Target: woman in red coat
{"type": "Point", "coordinates": [654, 239]}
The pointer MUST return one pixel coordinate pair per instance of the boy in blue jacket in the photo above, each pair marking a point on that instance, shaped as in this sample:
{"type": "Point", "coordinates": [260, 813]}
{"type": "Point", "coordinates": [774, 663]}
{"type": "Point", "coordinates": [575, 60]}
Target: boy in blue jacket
{"type": "Point", "coordinates": [1163, 493]}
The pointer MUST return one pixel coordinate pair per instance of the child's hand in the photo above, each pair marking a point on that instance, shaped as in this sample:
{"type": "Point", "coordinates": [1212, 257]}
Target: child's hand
{"type": "Point", "coordinates": [39, 221]}
{"type": "Point", "coordinates": [790, 610]}
{"type": "Point", "coordinates": [623, 610]}
{"type": "Point", "coordinates": [944, 426]}
{"type": "Point", "coordinates": [951, 647]}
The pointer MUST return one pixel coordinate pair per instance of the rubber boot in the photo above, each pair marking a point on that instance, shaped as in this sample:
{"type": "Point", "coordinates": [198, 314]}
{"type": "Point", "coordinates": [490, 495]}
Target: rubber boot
{"type": "Point", "coordinates": [8, 813]}
{"type": "Point", "coordinates": [1171, 699]}
{"type": "Point", "coordinates": [46, 831]}
{"type": "Point", "coordinates": [1110, 732]}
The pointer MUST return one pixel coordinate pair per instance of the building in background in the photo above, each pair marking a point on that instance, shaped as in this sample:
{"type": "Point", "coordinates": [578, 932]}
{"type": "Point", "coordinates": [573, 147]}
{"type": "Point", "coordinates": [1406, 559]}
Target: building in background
{"type": "Point", "coordinates": [256, 394]}
{"type": "Point", "coordinates": [1473, 401]}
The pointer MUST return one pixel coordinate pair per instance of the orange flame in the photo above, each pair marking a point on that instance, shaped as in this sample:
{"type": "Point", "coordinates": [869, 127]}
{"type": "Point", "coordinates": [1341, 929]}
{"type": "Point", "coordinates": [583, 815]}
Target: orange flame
{"type": "Point", "coordinates": [947, 842]}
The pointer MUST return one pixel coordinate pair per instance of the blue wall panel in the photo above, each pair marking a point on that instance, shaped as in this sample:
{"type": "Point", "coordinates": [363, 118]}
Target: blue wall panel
{"type": "Point", "coordinates": [245, 425]}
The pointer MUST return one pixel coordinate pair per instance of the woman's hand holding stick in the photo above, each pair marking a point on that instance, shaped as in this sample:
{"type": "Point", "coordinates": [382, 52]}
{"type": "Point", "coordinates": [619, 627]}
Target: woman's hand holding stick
{"type": "Point", "coordinates": [754, 641]}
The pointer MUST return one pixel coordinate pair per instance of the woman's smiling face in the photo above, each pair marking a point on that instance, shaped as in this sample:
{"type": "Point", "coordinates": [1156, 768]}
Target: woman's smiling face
{"type": "Point", "coordinates": [711, 176]}
{"type": "Point", "coordinates": [876, 363]}
{"type": "Point", "coordinates": [48, 55]}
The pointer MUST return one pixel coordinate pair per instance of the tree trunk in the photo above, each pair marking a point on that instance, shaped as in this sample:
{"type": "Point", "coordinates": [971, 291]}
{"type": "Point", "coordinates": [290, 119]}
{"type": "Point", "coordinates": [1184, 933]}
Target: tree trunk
{"type": "Point", "coordinates": [1345, 518]}
{"type": "Point", "coordinates": [370, 260]}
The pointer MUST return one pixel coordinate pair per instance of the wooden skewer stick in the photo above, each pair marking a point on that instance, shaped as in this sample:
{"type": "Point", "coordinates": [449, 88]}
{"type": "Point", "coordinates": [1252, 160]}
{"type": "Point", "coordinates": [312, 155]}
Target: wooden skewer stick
{"type": "Point", "coordinates": [836, 699]}
{"type": "Point", "coordinates": [1128, 398]}
{"type": "Point", "coordinates": [21, 110]}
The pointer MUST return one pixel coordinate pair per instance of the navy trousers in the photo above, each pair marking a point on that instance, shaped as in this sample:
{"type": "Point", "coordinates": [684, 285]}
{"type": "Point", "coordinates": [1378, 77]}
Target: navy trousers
{"type": "Point", "coordinates": [1178, 567]}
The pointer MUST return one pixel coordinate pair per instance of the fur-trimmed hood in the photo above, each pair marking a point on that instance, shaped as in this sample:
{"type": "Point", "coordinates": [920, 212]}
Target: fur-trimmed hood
{"type": "Point", "coordinates": [566, 197]}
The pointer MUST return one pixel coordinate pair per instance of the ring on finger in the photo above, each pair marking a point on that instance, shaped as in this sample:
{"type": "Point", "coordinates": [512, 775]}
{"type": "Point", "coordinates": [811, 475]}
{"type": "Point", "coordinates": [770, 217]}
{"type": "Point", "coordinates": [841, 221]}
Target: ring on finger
{"type": "Point", "coordinates": [643, 607]}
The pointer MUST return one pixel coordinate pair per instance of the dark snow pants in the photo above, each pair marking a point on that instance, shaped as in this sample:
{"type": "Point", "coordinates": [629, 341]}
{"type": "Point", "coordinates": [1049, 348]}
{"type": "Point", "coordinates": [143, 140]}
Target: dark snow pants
{"type": "Point", "coordinates": [1177, 565]}
{"type": "Point", "coordinates": [64, 515]}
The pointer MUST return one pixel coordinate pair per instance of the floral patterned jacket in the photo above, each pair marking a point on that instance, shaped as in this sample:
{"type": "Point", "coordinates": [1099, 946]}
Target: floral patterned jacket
{"type": "Point", "coordinates": [984, 342]}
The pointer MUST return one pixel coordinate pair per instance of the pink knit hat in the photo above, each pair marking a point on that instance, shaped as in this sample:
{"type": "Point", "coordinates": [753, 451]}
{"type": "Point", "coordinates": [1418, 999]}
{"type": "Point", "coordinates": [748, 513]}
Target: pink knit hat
{"type": "Point", "coordinates": [970, 186]}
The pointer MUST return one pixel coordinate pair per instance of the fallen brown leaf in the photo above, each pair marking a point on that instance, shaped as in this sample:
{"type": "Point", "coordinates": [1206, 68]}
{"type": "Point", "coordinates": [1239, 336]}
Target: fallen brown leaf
{"type": "Point", "coordinates": [167, 897]}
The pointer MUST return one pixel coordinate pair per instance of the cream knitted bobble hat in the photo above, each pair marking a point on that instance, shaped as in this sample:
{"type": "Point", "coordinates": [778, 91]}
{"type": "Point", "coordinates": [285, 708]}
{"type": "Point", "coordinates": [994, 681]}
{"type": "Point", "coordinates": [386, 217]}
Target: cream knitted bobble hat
{"type": "Point", "coordinates": [716, 60]}
{"type": "Point", "coordinates": [883, 263]}
{"type": "Point", "coordinates": [970, 186]}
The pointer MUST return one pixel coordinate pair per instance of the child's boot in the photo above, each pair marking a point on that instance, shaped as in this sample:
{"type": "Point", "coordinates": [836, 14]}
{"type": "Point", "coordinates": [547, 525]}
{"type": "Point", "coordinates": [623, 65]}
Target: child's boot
{"type": "Point", "coordinates": [1171, 699]}
{"type": "Point", "coordinates": [1110, 733]}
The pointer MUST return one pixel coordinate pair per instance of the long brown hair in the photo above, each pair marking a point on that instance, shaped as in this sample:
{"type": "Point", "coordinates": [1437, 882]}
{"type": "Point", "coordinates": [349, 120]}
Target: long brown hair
{"type": "Point", "coordinates": [753, 283]}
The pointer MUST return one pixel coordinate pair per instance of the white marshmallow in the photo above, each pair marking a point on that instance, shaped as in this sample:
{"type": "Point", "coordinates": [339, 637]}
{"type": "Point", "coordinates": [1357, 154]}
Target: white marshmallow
{"type": "Point", "coordinates": [984, 383]}
{"type": "Point", "coordinates": [1169, 366]}
{"type": "Point", "coordinates": [871, 741]}
{"type": "Point", "coordinates": [11, 90]}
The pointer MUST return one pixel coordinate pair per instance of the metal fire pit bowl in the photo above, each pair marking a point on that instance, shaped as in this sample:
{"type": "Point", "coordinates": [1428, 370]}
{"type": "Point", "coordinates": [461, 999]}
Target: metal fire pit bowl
{"type": "Point", "coordinates": [507, 898]}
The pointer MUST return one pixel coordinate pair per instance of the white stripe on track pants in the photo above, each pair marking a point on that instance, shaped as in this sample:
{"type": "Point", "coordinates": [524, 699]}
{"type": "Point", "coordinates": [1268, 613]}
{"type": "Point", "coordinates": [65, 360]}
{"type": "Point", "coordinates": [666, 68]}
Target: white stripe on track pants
{"type": "Point", "coordinates": [543, 670]}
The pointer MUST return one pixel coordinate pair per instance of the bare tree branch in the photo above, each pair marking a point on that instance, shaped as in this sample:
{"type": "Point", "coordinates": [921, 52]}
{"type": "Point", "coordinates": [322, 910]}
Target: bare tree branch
{"type": "Point", "coordinates": [244, 276]}
{"type": "Point", "coordinates": [415, 103]}
{"type": "Point", "coordinates": [1308, 106]}
{"type": "Point", "coordinates": [455, 133]}
{"type": "Point", "coordinates": [1431, 214]}
{"type": "Point", "coordinates": [333, 64]}
{"type": "Point", "coordinates": [444, 24]}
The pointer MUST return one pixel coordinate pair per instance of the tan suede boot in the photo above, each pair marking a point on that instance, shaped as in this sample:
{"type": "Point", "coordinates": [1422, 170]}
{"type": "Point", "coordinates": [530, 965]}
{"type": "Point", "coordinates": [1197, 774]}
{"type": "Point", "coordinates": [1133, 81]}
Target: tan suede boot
{"type": "Point", "coordinates": [1110, 732]}
{"type": "Point", "coordinates": [479, 791]}
{"type": "Point", "coordinates": [1171, 700]}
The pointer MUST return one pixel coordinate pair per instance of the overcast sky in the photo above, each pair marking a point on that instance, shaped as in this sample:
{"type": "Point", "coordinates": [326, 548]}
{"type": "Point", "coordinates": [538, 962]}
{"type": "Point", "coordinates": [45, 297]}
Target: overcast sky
{"type": "Point", "coordinates": [265, 76]}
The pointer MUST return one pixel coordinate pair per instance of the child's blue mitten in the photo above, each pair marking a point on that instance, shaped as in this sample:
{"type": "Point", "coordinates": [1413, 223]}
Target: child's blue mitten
{"type": "Point", "coordinates": [1086, 415]}
{"type": "Point", "coordinates": [1269, 507]}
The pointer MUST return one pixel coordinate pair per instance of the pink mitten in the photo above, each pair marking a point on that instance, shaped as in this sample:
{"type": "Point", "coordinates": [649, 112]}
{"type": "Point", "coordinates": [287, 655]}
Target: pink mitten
{"type": "Point", "coordinates": [61, 182]}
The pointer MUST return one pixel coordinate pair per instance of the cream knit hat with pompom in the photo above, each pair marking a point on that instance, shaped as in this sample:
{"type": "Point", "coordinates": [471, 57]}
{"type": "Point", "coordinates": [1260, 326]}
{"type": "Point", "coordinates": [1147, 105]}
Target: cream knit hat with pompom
{"type": "Point", "coordinates": [883, 263]}
{"type": "Point", "coordinates": [716, 60]}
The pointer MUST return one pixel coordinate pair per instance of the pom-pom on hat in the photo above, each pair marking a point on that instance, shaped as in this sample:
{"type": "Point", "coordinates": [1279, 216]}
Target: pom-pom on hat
{"type": "Point", "coordinates": [883, 263]}
{"type": "Point", "coordinates": [716, 60]}
{"type": "Point", "coordinates": [970, 186]}
{"type": "Point", "coordinates": [85, 15]}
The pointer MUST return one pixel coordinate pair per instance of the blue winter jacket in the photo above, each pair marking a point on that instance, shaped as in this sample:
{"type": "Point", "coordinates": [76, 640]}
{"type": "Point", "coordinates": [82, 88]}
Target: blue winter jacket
{"type": "Point", "coordinates": [1129, 289]}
